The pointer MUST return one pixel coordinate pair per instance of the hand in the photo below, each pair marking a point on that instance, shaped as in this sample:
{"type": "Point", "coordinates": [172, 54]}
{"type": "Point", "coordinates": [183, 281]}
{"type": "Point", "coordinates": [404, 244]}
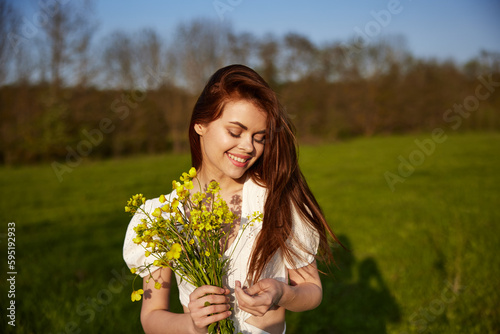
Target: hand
{"type": "Point", "coordinates": [208, 304]}
{"type": "Point", "coordinates": [261, 297]}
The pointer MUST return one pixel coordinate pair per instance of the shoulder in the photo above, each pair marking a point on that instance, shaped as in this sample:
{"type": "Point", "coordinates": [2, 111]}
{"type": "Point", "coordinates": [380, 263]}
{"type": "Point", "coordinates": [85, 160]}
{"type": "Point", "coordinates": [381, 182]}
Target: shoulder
{"type": "Point", "coordinates": [152, 204]}
{"type": "Point", "coordinates": [254, 196]}
{"type": "Point", "coordinates": [133, 254]}
{"type": "Point", "coordinates": [252, 188]}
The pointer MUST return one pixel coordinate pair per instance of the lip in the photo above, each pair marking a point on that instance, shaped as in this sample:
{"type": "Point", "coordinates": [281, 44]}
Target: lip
{"type": "Point", "coordinates": [237, 163]}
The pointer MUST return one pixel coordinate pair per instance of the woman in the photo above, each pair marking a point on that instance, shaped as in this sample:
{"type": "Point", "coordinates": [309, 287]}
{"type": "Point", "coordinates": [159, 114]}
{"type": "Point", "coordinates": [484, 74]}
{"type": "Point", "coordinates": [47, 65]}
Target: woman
{"type": "Point", "coordinates": [240, 136]}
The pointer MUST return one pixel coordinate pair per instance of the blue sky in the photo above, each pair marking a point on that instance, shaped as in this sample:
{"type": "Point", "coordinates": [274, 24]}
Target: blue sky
{"type": "Point", "coordinates": [442, 29]}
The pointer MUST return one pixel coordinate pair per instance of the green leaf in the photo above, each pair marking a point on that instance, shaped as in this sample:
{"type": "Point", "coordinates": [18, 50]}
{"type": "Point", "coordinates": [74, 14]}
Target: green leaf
{"type": "Point", "coordinates": [211, 328]}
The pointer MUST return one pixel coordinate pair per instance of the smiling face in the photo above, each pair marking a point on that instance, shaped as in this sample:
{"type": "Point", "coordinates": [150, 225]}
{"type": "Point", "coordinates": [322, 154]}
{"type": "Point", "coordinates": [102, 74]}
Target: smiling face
{"type": "Point", "coordinates": [232, 143]}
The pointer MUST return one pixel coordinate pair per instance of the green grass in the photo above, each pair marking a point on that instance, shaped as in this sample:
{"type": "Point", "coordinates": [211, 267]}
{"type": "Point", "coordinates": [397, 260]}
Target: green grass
{"type": "Point", "coordinates": [423, 258]}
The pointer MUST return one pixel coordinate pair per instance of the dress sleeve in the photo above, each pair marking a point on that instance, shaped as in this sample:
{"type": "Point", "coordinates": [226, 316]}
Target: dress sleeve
{"type": "Point", "coordinates": [133, 254]}
{"type": "Point", "coordinates": [304, 240]}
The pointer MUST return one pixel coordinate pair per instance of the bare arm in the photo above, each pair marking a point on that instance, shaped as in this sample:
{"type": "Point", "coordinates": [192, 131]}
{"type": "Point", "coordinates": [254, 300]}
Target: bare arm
{"type": "Point", "coordinates": [155, 314]}
{"type": "Point", "coordinates": [303, 293]}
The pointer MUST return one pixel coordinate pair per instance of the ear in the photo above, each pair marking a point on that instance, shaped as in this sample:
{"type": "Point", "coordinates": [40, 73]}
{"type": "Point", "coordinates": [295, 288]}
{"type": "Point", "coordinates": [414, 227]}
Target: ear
{"type": "Point", "coordinates": [199, 129]}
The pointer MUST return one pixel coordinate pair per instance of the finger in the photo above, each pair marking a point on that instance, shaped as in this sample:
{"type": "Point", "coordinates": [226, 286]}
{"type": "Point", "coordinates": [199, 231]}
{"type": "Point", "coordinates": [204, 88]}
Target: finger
{"type": "Point", "coordinates": [256, 289]}
{"type": "Point", "coordinates": [238, 291]}
{"type": "Point", "coordinates": [203, 306]}
{"type": "Point", "coordinates": [211, 318]}
{"type": "Point", "coordinates": [213, 299]}
{"type": "Point", "coordinates": [243, 298]}
{"type": "Point", "coordinates": [201, 321]}
{"type": "Point", "coordinates": [211, 309]}
{"type": "Point", "coordinates": [238, 287]}
{"type": "Point", "coordinates": [209, 313]}
{"type": "Point", "coordinates": [207, 289]}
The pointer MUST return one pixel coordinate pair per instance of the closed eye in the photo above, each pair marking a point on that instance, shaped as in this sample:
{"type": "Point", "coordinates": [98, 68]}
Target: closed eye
{"type": "Point", "coordinates": [260, 140]}
{"type": "Point", "coordinates": [234, 135]}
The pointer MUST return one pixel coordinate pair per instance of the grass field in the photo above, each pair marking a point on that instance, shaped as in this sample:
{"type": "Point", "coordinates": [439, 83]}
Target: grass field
{"type": "Point", "coordinates": [423, 256]}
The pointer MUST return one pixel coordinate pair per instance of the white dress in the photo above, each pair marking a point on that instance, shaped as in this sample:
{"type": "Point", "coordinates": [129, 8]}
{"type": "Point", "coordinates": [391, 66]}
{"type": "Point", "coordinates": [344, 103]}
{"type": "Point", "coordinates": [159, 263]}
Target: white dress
{"type": "Point", "coordinates": [253, 198]}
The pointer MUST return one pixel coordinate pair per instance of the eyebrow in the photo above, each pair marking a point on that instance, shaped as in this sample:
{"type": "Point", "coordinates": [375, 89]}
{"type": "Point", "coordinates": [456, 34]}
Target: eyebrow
{"type": "Point", "coordinates": [244, 127]}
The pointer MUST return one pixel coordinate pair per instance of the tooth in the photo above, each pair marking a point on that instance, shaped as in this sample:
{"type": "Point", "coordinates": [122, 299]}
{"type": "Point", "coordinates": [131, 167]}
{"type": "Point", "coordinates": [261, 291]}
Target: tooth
{"type": "Point", "coordinates": [237, 158]}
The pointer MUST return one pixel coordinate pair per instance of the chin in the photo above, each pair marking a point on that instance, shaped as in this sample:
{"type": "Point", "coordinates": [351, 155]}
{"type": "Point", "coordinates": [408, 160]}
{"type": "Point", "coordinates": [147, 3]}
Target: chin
{"type": "Point", "coordinates": [236, 174]}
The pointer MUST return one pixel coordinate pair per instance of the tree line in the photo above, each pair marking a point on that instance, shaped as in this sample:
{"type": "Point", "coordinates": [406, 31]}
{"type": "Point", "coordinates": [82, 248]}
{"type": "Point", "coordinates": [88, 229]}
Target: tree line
{"type": "Point", "coordinates": [65, 90]}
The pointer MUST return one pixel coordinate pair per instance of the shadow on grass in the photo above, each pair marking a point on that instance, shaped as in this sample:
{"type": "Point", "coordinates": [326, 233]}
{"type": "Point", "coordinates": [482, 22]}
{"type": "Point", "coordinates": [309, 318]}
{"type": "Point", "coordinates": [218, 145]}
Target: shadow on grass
{"type": "Point", "coordinates": [355, 299]}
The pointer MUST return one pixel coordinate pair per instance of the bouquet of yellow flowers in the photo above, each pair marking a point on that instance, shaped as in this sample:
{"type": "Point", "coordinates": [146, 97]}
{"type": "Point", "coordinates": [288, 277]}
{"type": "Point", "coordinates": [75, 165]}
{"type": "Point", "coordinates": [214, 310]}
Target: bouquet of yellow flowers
{"type": "Point", "coordinates": [191, 239]}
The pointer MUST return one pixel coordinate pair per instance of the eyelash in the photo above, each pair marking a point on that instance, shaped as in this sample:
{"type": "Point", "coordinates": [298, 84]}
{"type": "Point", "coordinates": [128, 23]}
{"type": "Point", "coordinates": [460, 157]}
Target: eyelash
{"type": "Point", "coordinates": [261, 141]}
{"type": "Point", "coordinates": [234, 135]}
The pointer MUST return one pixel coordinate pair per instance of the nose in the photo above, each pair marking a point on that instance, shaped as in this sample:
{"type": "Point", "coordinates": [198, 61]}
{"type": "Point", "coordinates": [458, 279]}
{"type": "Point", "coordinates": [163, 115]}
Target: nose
{"type": "Point", "coordinates": [246, 144]}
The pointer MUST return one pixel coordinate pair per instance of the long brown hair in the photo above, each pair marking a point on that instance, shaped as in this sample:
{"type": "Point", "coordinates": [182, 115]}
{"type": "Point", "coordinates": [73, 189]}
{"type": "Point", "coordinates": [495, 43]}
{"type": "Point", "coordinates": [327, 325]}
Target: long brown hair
{"type": "Point", "coordinates": [278, 169]}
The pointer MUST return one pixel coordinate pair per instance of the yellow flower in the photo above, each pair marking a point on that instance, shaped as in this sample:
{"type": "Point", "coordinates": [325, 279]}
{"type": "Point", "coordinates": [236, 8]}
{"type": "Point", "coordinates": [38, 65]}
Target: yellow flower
{"type": "Point", "coordinates": [127, 209]}
{"type": "Point", "coordinates": [174, 252]}
{"type": "Point", "coordinates": [135, 201]}
{"type": "Point", "coordinates": [197, 198]}
{"type": "Point", "coordinates": [166, 208]}
{"type": "Point", "coordinates": [158, 285]}
{"type": "Point", "coordinates": [182, 193]}
{"type": "Point", "coordinates": [137, 240]}
{"type": "Point", "coordinates": [136, 295]}
{"type": "Point", "coordinates": [156, 213]}
{"type": "Point", "coordinates": [175, 184]}
{"type": "Point", "coordinates": [188, 176]}
{"type": "Point", "coordinates": [147, 253]}
{"type": "Point", "coordinates": [192, 172]}
{"type": "Point", "coordinates": [207, 253]}
{"type": "Point", "coordinates": [177, 249]}
{"type": "Point", "coordinates": [175, 203]}
{"type": "Point", "coordinates": [162, 199]}
{"type": "Point", "coordinates": [213, 187]}
{"type": "Point", "coordinates": [133, 270]}
{"type": "Point", "coordinates": [188, 184]}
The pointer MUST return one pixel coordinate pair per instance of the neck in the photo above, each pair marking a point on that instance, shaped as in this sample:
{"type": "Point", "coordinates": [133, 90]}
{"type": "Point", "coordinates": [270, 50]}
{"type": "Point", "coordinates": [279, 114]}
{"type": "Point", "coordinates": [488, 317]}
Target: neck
{"type": "Point", "coordinates": [227, 184]}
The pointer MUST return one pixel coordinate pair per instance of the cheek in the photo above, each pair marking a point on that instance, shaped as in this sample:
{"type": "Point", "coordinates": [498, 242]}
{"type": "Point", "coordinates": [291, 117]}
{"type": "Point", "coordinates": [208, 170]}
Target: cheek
{"type": "Point", "coordinates": [225, 143]}
{"type": "Point", "coordinates": [218, 142]}
{"type": "Point", "coordinates": [260, 151]}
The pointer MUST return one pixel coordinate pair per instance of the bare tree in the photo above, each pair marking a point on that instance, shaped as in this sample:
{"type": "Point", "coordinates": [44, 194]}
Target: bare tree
{"type": "Point", "coordinates": [200, 48]}
{"type": "Point", "coordinates": [67, 33]}
{"type": "Point", "coordinates": [120, 65]}
{"type": "Point", "coordinates": [84, 67]}
{"type": "Point", "coordinates": [268, 59]}
{"type": "Point", "coordinates": [242, 48]}
{"type": "Point", "coordinates": [300, 57]}
{"type": "Point", "coordinates": [152, 71]}
{"type": "Point", "coordinates": [9, 42]}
